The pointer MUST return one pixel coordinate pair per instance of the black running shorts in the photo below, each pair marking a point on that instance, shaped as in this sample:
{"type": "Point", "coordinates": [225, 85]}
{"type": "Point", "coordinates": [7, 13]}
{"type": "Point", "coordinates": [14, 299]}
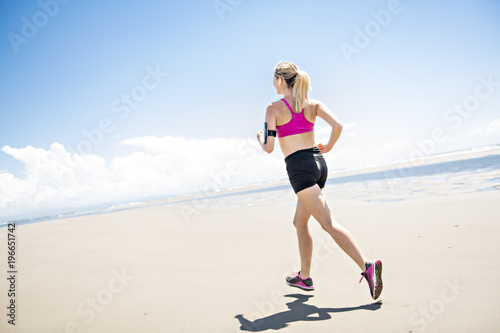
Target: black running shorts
{"type": "Point", "coordinates": [306, 168]}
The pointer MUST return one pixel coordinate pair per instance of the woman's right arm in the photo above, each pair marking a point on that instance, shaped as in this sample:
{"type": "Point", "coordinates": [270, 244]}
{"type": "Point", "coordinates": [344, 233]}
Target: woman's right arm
{"type": "Point", "coordinates": [324, 113]}
{"type": "Point", "coordinates": [271, 125]}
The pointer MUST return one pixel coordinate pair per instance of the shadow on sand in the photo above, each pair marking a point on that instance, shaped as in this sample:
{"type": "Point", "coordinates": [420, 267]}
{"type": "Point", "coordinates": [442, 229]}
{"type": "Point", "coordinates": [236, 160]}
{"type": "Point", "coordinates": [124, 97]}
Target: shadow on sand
{"type": "Point", "coordinates": [298, 311]}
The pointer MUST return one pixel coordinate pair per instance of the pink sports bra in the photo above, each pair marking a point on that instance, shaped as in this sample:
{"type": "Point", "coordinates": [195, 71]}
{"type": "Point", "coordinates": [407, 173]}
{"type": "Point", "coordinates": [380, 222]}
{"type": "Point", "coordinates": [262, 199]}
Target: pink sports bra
{"type": "Point", "coordinates": [299, 124]}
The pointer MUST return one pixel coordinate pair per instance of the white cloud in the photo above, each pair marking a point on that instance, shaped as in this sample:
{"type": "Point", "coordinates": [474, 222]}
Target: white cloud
{"type": "Point", "coordinates": [160, 167]}
{"type": "Point", "coordinates": [359, 155]}
{"type": "Point", "coordinates": [349, 125]}
{"type": "Point", "coordinates": [490, 129]}
{"type": "Point", "coordinates": [322, 133]}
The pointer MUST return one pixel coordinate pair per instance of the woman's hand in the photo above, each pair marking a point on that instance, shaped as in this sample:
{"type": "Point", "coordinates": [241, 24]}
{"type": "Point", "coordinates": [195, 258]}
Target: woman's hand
{"type": "Point", "coordinates": [260, 135]}
{"type": "Point", "coordinates": [324, 148]}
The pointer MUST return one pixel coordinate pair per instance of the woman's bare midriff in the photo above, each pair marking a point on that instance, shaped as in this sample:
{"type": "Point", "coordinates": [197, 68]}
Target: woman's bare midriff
{"type": "Point", "coordinates": [290, 144]}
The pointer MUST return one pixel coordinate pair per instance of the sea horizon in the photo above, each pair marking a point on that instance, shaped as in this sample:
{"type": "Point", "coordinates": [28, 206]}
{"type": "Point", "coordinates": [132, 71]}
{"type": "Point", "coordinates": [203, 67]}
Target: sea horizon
{"type": "Point", "coordinates": [484, 157]}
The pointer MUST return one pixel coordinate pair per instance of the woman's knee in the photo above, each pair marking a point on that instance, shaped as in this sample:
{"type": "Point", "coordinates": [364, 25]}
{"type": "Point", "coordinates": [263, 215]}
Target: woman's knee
{"type": "Point", "coordinates": [329, 225]}
{"type": "Point", "coordinates": [299, 223]}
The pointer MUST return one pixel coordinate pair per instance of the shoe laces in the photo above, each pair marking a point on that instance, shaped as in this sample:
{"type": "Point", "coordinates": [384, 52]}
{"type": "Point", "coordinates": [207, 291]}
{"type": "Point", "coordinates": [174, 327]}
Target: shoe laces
{"type": "Point", "coordinates": [365, 274]}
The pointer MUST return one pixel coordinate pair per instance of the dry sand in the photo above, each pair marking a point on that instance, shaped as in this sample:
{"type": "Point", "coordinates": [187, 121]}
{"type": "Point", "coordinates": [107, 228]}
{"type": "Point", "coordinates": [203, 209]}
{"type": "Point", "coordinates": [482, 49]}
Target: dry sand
{"type": "Point", "coordinates": [195, 268]}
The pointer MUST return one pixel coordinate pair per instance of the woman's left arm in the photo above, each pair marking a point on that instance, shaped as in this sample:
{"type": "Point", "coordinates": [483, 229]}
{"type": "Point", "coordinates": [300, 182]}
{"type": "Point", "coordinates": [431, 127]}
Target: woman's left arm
{"type": "Point", "coordinates": [324, 113]}
{"type": "Point", "coordinates": [271, 125]}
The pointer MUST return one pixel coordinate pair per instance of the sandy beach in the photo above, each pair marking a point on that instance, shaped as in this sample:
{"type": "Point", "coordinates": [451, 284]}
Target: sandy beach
{"type": "Point", "coordinates": [211, 266]}
{"type": "Point", "coordinates": [147, 148]}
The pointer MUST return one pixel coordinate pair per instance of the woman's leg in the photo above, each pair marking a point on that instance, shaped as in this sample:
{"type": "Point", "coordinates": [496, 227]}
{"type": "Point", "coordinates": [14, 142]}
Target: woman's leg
{"type": "Point", "coordinates": [314, 202]}
{"type": "Point", "coordinates": [305, 240]}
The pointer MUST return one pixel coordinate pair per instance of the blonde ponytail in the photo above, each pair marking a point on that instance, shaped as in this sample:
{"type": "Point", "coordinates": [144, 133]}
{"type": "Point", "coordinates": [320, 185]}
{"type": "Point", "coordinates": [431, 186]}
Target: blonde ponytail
{"type": "Point", "coordinates": [300, 90]}
{"type": "Point", "coordinates": [295, 79]}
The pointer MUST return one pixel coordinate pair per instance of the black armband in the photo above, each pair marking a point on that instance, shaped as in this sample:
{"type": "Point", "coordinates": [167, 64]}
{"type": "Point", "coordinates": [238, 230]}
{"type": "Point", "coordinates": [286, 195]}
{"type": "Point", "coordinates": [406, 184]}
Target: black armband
{"type": "Point", "coordinates": [268, 133]}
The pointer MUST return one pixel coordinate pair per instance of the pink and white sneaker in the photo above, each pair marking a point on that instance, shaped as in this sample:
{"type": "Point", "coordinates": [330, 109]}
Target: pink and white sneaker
{"type": "Point", "coordinates": [296, 281]}
{"type": "Point", "coordinates": [373, 275]}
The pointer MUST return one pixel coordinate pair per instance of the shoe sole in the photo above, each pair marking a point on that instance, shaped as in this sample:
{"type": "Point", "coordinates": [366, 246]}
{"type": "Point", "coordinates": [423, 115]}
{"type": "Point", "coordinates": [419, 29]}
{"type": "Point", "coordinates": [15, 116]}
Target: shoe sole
{"type": "Point", "coordinates": [378, 279]}
{"type": "Point", "coordinates": [300, 287]}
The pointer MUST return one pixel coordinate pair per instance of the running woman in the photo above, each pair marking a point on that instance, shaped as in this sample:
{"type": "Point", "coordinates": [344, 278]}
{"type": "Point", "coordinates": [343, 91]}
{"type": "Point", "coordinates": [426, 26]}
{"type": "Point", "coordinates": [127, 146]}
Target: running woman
{"type": "Point", "coordinates": [292, 119]}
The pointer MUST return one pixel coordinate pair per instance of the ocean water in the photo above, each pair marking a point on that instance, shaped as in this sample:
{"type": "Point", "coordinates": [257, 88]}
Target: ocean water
{"type": "Point", "coordinates": [467, 174]}
{"type": "Point", "coordinates": [469, 171]}
{"type": "Point", "coordinates": [469, 165]}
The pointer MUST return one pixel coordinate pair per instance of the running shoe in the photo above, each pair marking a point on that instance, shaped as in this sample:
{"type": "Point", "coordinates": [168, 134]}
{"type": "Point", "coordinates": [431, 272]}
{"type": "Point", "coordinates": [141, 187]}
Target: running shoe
{"type": "Point", "coordinates": [296, 281]}
{"type": "Point", "coordinates": [373, 275]}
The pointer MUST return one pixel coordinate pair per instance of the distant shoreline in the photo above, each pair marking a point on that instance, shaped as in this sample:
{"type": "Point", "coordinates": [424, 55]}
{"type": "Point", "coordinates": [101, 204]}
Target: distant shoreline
{"type": "Point", "coordinates": [387, 172]}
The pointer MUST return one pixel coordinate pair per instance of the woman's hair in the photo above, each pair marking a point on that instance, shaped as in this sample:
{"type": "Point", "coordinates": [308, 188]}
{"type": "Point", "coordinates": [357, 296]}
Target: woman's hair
{"type": "Point", "coordinates": [295, 79]}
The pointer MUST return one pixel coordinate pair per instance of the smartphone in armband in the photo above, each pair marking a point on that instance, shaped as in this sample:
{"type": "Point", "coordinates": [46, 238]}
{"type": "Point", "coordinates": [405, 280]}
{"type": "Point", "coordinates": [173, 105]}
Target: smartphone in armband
{"type": "Point", "coordinates": [268, 133]}
{"type": "Point", "coordinates": [265, 132]}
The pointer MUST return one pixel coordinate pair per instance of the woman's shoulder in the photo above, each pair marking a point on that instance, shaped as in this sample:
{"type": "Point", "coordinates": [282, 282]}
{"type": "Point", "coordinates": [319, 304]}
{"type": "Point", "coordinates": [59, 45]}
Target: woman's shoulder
{"type": "Point", "coordinates": [274, 106]}
{"type": "Point", "coordinates": [313, 102]}
{"type": "Point", "coordinates": [313, 105]}
{"type": "Point", "coordinates": [277, 102]}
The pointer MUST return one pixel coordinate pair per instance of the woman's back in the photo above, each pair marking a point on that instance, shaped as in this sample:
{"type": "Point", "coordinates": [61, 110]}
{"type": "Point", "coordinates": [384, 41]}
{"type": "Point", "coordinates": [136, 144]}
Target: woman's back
{"type": "Point", "coordinates": [292, 143]}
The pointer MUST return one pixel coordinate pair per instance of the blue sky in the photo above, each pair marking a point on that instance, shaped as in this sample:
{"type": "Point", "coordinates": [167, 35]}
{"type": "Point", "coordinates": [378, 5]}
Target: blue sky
{"type": "Point", "coordinates": [70, 76]}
